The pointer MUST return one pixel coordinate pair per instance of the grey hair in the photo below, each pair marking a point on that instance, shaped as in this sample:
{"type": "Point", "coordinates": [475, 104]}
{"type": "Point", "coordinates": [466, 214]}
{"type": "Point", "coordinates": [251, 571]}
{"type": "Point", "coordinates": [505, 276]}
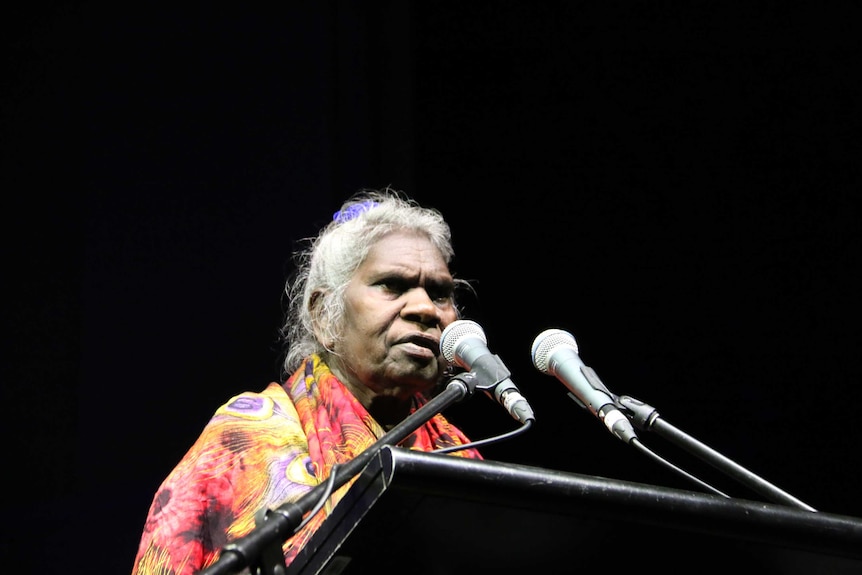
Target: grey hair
{"type": "Point", "coordinates": [325, 264]}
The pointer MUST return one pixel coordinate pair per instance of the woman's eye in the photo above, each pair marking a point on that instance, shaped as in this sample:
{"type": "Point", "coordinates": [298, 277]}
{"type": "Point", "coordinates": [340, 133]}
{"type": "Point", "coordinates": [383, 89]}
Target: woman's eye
{"type": "Point", "coordinates": [436, 294]}
{"type": "Point", "coordinates": [442, 295]}
{"type": "Point", "coordinates": [393, 286]}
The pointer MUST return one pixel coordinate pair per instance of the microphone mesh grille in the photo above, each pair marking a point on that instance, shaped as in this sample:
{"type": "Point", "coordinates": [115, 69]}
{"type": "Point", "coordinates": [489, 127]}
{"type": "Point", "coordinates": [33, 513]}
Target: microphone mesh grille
{"type": "Point", "coordinates": [454, 332]}
{"type": "Point", "coordinates": [546, 342]}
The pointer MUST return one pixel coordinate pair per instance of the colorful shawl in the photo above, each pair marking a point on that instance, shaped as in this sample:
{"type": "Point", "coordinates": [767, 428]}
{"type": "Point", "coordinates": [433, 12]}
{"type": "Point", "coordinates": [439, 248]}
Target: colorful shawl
{"type": "Point", "coordinates": [258, 451]}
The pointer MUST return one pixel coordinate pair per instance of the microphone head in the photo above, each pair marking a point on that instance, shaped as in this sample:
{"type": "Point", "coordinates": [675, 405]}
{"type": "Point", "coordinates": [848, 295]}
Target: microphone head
{"type": "Point", "coordinates": [545, 344]}
{"type": "Point", "coordinates": [455, 333]}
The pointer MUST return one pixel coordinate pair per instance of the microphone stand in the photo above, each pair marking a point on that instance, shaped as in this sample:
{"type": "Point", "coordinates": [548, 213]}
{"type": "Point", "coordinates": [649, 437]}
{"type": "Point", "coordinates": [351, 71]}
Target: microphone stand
{"type": "Point", "coordinates": [261, 549]}
{"type": "Point", "coordinates": [646, 417]}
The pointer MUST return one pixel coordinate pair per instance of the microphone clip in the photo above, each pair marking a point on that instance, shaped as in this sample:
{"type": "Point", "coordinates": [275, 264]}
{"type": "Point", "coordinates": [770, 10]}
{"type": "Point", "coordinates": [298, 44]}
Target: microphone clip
{"type": "Point", "coordinates": [489, 374]}
{"type": "Point", "coordinates": [642, 414]}
{"type": "Point", "coordinates": [466, 379]}
{"type": "Point", "coordinates": [490, 371]}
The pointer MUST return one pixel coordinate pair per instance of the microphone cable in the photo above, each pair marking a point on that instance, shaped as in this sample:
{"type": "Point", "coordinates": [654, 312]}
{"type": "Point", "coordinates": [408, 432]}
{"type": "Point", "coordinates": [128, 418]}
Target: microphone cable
{"type": "Point", "coordinates": [640, 447]}
{"type": "Point", "coordinates": [487, 441]}
{"type": "Point", "coordinates": [324, 495]}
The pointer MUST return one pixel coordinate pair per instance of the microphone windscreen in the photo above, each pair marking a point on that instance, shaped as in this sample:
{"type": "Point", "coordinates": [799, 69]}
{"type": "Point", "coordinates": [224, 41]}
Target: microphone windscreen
{"type": "Point", "coordinates": [545, 344]}
{"type": "Point", "coordinates": [457, 331]}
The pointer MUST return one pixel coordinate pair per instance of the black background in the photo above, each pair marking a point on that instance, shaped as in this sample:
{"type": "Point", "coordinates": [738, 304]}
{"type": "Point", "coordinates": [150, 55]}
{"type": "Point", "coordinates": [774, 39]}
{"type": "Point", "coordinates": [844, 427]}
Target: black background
{"type": "Point", "coordinates": [674, 183]}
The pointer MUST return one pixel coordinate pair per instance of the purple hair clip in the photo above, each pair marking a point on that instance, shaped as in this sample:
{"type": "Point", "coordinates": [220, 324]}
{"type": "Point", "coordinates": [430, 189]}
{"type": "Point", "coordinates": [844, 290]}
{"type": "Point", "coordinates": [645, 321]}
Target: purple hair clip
{"type": "Point", "coordinates": [351, 212]}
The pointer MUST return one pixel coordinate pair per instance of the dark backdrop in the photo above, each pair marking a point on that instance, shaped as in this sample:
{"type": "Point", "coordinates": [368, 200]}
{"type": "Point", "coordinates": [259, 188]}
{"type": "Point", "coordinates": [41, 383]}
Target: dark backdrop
{"type": "Point", "coordinates": [673, 183]}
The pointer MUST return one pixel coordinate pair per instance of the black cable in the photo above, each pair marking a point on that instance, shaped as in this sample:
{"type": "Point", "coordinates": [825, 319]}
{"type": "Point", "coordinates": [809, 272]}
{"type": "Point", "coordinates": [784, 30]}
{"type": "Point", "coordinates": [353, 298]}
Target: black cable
{"type": "Point", "coordinates": [637, 444]}
{"type": "Point", "coordinates": [497, 438]}
{"type": "Point", "coordinates": [327, 491]}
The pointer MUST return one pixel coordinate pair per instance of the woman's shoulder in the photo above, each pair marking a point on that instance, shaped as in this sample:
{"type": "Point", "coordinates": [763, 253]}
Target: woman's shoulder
{"type": "Point", "coordinates": [272, 401]}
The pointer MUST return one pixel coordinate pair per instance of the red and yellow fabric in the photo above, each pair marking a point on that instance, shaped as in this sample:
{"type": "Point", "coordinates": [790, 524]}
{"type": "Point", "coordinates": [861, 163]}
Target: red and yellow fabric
{"type": "Point", "coordinates": [258, 451]}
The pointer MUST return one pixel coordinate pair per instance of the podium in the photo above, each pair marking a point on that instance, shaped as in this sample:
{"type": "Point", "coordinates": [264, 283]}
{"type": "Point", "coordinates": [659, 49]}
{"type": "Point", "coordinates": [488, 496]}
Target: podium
{"type": "Point", "coordinates": [424, 513]}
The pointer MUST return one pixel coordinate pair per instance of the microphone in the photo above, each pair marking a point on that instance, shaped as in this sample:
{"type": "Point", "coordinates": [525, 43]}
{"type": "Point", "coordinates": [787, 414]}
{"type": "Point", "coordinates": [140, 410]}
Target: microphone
{"type": "Point", "coordinates": [555, 352]}
{"type": "Point", "coordinates": [463, 343]}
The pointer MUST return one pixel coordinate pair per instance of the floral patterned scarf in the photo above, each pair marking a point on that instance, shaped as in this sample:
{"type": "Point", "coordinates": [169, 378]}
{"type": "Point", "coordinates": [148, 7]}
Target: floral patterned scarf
{"type": "Point", "coordinates": [258, 451]}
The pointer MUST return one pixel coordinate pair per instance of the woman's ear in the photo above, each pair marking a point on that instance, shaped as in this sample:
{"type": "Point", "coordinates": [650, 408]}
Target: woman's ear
{"type": "Point", "coordinates": [319, 322]}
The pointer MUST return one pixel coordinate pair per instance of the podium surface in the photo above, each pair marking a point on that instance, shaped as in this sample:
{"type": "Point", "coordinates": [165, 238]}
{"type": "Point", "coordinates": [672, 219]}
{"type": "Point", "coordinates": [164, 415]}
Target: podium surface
{"type": "Point", "coordinates": [425, 513]}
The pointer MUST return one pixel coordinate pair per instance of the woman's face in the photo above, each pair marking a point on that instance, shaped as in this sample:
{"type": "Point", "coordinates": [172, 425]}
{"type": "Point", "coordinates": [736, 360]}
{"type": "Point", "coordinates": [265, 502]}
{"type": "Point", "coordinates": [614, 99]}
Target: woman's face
{"type": "Point", "coordinates": [397, 304]}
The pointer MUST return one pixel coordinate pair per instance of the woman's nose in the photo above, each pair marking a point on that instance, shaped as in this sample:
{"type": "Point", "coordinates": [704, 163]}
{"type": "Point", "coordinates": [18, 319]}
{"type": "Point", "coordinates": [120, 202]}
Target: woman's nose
{"type": "Point", "coordinates": [419, 304]}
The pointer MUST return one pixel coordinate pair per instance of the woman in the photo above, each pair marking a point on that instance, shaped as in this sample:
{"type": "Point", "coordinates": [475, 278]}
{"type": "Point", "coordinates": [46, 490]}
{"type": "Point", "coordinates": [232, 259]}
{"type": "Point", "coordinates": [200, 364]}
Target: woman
{"type": "Point", "coordinates": [370, 297]}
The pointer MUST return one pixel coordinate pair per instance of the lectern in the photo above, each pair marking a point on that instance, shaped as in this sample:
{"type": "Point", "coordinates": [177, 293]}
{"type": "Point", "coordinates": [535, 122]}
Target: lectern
{"type": "Point", "coordinates": [424, 513]}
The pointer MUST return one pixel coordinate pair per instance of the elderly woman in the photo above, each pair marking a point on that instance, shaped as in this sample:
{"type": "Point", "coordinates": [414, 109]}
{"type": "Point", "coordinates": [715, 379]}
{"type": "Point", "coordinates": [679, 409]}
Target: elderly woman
{"type": "Point", "coordinates": [369, 299]}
